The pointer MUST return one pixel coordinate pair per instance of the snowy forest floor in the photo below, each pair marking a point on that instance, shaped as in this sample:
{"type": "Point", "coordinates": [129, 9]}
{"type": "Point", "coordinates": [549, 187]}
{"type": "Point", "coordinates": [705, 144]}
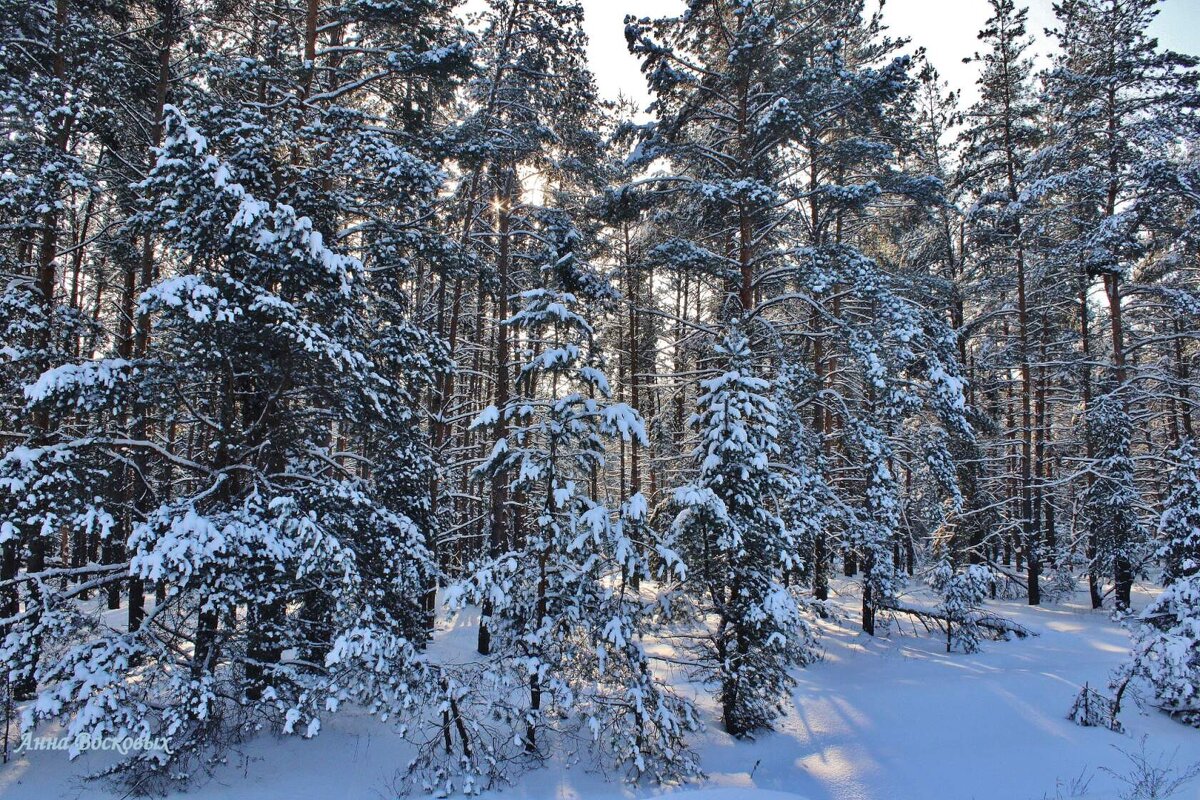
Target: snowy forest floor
{"type": "Point", "coordinates": [889, 718]}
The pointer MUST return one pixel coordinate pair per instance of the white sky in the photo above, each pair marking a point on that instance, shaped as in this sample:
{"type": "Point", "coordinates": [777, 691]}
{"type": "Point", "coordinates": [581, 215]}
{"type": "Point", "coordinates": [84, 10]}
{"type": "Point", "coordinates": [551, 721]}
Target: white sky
{"type": "Point", "coordinates": [946, 28]}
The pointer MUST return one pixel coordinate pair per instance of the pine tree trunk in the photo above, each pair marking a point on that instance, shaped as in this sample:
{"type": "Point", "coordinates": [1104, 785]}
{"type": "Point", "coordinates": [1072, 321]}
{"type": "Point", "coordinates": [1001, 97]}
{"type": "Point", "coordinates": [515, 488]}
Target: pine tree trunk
{"type": "Point", "coordinates": [635, 400]}
{"type": "Point", "coordinates": [1093, 541]}
{"type": "Point", "coordinates": [499, 487]}
{"type": "Point", "coordinates": [868, 597]}
{"type": "Point", "coordinates": [46, 282]}
{"type": "Point", "coordinates": [1028, 521]}
{"type": "Point", "coordinates": [1182, 371]}
{"type": "Point", "coordinates": [142, 496]}
{"type": "Point", "coordinates": [820, 554]}
{"type": "Point", "coordinates": [1122, 567]}
{"type": "Point", "coordinates": [442, 396]}
{"type": "Point", "coordinates": [1042, 429]}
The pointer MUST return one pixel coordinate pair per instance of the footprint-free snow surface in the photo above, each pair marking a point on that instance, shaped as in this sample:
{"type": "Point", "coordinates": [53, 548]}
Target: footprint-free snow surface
{"type": "Point", "coordinates": [892, 718]}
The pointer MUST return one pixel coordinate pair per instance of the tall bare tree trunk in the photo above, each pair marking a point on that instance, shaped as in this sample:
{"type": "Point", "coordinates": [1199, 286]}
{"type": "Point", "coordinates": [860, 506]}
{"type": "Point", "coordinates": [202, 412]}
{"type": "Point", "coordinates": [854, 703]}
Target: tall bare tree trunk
{"type": "Point", "coordinates": [497, 537]}
{"type": "Point", "coordinates": [1183, 373]}
{"type": "Point", "coordinates": [142, 496]}
{"type": "Point", "coordinates": [1093, 541]}
{"type": "Point", "coordinates": [635, 399]}
{"type": "Point", "coordinates": [46, 280]}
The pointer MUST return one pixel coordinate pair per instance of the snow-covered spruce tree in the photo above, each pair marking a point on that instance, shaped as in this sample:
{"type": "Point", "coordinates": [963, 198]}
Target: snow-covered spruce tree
{"type": "Point", "coordinates": [567, 615]}
{"type": "Point", "coordinates": [871, 529]}
{"type": "Point", "coordinates": [1111, 504]}
{"type": "Point", "coordinates": [1166, 635]}
{"type": "Point", "coordinates": [289, 580]}
{"type": "Point", "coordinates": [532, 113]}
{"type": "Point", "coordinates": [1179, 526]}
{"type": "Point", "coordinates": [962, 592]}
{"type": "Point", "coordinates": [730, 529]}
{"type": "Point", "coordinates": [233, 416]}
{"type": "Point", "coordinates": [810, 505]}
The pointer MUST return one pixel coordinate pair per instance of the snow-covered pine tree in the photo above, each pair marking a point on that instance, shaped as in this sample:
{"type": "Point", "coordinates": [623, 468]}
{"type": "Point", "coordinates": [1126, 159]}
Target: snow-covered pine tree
{"type": "Point", "coordinates": [1117, 102]}
{"type": "Point", "coordinates": [1173, 300]}
{"type": "Point", "coordinates": [1166, 635]}
{"type": "Point", "coordinates": [567, 614]}
{"type": "Point", "coordinates": [755, 103]}
{"type": "Point", "coordinates": [59, 69]}
{"type": "Point", "coordinates": [377, 141]}
{"type": "Point", "coordinates": [730, 530]}
{"type": "Point", "coordinates": [937, 255]}
{"type": "Point", "coordinates": [1002, 131]}
{"type": "Point", "coordinates": [627, 234]}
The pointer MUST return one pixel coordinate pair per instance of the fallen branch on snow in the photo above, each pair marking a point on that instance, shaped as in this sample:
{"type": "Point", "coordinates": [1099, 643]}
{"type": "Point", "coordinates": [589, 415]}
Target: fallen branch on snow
{"type": "Point", "coordinates": [999, 627]}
